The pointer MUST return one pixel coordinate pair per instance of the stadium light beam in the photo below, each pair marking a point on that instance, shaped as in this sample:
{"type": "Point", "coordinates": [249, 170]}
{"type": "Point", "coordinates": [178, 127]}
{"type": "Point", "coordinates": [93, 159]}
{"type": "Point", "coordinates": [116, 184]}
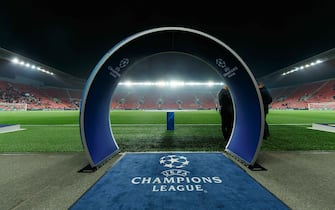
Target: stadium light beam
{"type": "Point", "coordinates": [31, 66]}
{"type": "Point", "coordinates": [170, 84]}
{"type": "Point", "coordinates": [302, 67]}
{"type": "Point", "coordinates": [15, 60]}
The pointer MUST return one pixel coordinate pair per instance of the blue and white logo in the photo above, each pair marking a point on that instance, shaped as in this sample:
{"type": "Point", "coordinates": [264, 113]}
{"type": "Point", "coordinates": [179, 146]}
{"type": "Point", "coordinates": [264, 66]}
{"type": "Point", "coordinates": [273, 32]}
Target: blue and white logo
{"type": "Point", "coordinates": [174, 163]}
{"type": "Point", "coordinates": [175, 177]}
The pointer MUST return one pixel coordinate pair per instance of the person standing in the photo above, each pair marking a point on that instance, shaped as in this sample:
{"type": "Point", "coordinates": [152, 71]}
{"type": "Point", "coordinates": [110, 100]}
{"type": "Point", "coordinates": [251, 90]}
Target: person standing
{"type": "Point", "coordinates": [226, 112]}
{"type": "Point", "coordinates": [267, 100]}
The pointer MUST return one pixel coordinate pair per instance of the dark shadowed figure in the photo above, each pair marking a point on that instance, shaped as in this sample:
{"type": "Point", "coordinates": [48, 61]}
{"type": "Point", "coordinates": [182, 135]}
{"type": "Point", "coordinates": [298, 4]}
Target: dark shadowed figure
{"type": "Point", "coordinates": [267, 100]}
{"type": "Point", "coordinates": [226, 112]}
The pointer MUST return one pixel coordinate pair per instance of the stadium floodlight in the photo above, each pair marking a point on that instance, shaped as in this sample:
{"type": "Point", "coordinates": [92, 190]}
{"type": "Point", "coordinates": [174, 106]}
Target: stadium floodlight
{"type": "Point", "coordinates": [128, 83]}
{"type": "Point", "coordinates": [161, 84]}
{"type": "Point", "coordinates": [15, 60]}
{"type": "Point", "coordinates": [147, 83]}
{"type": "Point", "coordinates": [172, 84]}
{"type": "Point", "coordinates": [176, 83]}
{"type": "Point", "coordinates": [210, 84]}
{"type": "Point", "coordinates": [302, 67]}
{"type": "Point", "coordinates": [31, 66]}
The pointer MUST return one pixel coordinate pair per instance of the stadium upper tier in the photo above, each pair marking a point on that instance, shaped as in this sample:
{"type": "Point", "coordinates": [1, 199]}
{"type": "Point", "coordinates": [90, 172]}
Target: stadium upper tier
{"type": "Point", "coordinates": [316, 68]}
{"type": "Point", "coordinates": [299, 86]}
{"type": "Point", "coordinates": [19, 69]}
{"type": "Point", "coordinates": [123, 97]}
{"type": "Point", "coordinates": [302, 96]}
{"type": "Point", "coordinates": [321, 93]}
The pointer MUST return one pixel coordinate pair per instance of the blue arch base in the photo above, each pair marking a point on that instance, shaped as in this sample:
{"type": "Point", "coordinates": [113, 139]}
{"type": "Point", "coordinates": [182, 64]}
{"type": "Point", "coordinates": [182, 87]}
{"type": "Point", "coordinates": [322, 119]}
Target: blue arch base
{"type": "Point", "coordinates": [95, 129]}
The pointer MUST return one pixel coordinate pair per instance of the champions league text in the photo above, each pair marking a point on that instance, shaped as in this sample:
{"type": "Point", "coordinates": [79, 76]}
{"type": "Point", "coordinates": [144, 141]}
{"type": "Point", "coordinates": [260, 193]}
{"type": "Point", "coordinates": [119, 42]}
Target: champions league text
{"type": "Point", "coordinates": [168, 184]}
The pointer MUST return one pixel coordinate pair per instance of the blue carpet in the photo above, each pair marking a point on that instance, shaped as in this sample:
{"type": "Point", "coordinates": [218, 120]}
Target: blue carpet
{"type": "Point", "coordinates": [177, 181]}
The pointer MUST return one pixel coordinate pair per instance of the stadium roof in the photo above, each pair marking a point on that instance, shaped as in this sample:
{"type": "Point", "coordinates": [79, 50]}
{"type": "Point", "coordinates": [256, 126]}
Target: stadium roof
{"type": "Point", "coordinates": [73, 37]}
{"type": "Point", "coordinates": [315, 68]}
{"type": "Point", "coordinates": [14, 66]}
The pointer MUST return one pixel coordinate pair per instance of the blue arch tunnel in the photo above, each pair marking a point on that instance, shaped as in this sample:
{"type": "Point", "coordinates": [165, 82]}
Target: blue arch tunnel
{"type": "Point", "coordinates": [95, 126]}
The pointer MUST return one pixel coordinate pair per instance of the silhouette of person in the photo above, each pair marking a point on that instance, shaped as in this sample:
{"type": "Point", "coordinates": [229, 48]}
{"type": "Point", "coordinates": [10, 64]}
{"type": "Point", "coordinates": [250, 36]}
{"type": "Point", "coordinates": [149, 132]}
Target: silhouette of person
{"type": "Point", "coordinates": [226, 112]}
{"type": "Point", "coordinates": [267, 100]}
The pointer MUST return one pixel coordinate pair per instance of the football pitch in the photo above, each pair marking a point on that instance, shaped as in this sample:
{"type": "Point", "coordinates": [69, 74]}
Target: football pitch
{"type": "Point", "coordinates": [139, 131]}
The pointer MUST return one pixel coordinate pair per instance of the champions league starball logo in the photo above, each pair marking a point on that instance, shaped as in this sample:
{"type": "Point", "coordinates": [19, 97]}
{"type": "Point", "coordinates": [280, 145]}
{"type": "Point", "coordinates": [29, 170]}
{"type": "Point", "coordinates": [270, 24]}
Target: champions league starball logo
{"type": "Point", "coordinates": [175, 163]}
{"type": "Point", "coordinates": [228, 72]}
{"type": "Point", "coordinates": [176, 178]}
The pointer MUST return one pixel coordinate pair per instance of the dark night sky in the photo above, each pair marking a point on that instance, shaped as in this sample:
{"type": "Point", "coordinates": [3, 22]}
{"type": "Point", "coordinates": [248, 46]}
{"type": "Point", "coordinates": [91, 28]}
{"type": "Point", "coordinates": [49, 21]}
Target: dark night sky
{"type": "Point", "coordinates": [74, 37]}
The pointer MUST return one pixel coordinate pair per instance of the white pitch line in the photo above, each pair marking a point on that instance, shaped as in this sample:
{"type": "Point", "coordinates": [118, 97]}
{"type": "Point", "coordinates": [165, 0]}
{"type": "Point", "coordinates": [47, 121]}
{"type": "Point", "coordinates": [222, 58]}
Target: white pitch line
{"type": "Point", "coordinates": [294, 124]}
{"type": "Point", "coordinates": [50, 125]}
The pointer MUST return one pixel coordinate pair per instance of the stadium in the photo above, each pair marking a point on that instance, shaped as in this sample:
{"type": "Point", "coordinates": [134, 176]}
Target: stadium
{"type": "Point", "coordinates": [46, 106]}
{"type": "Point", "coordinates": [139, 127]}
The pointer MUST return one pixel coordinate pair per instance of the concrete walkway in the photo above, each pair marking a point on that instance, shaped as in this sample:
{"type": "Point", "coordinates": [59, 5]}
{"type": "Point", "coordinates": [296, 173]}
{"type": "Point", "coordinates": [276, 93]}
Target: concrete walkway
{"type": "Point", "coordinates": [302, 180]}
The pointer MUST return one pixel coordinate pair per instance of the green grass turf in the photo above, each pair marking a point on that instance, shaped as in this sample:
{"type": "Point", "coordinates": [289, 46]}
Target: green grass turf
{"type": "Point", "coordinates": [42, 139]}
{"type": "Point", "coordinates": [39, 117]}
{"type": "Point", "coordinates": [300, 116]}
{"type": "Point", "coordinates": [58, 131]}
